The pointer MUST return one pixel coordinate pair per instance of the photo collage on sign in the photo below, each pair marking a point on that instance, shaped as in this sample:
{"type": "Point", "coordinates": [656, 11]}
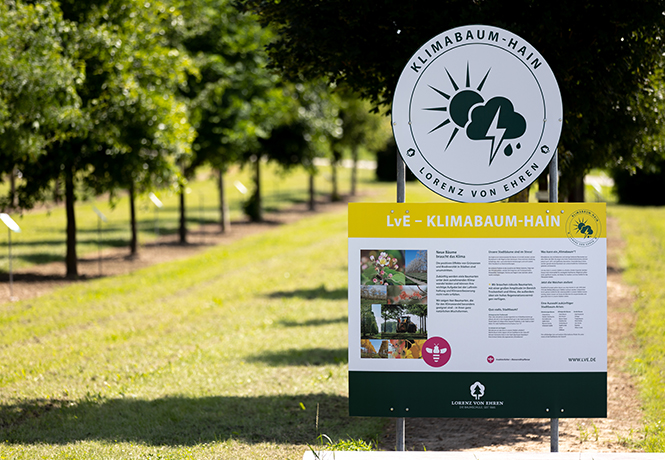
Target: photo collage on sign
{"type": "Point", "coordinates": [393, 303]}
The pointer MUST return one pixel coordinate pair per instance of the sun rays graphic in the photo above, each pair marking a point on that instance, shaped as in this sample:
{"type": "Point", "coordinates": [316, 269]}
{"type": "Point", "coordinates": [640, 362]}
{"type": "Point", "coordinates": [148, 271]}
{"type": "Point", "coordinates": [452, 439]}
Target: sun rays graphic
{"type": "Point", "coordinates": [494, 120]}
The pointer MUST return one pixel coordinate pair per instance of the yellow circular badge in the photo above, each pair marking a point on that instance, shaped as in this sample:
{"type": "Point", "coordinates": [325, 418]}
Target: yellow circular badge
{"type": "Point", "coordinates": [583, 227]}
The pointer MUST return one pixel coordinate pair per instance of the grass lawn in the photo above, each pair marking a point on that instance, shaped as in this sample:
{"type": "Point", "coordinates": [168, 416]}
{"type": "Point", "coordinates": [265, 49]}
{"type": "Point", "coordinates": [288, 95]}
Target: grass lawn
{"type": "Point", "coordinates": [643, 230]}
{"type": "Point", "coordinates": [233, 353]}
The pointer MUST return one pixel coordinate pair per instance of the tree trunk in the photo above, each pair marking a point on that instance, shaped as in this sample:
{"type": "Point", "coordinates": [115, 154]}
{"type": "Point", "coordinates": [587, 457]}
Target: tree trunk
{"type": "Point", "coordinates": [520, 197]}
{"type": "Point", "coordinates": [133, 242]}
{"type": "Point", "coordinates": [225, 218]}
{"type": "Point", "coordinates": [258, 211]}
{"type": "Point", "coordinates": [354, 171]}
{"type": "Point", "coordinates": [543, 194]}
{"type": "Point", "coordinates": [70, 198]}
{"type": "Point", "coordinates": [335, 193]}
{"type": "Point", "coordinates": [56, 191]}
{"type": "Point", "coordinates": [576, 192]}
{"type": "Point", "coordinates": [182, 228]}
{"type": "Point", "coordinates": [312, 201]}
{"type": "Point", "coordinates": [12, 187]}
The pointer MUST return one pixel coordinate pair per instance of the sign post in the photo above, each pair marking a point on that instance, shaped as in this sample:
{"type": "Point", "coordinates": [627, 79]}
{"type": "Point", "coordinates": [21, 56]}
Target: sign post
{"type": "Point", "coordinates": [477, 310]}
{"type": "Point", "coordinates": [12, 226]}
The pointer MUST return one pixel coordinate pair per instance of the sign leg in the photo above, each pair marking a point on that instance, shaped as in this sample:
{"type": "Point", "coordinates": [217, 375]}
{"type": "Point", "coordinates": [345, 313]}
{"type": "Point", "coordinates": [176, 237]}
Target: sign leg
{"type": "Point", "coordinates": [554, 435]}
{"type": "Point", "coordinates": [399, 434]}
{"type": "Point", "coordinates": [554, 198]}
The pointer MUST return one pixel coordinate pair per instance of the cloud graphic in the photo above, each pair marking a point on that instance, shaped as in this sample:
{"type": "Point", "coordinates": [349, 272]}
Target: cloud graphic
{"type": "Point", "coordinates": [482, 116]}
{"type": "Point", "coordinates": [496, 120]}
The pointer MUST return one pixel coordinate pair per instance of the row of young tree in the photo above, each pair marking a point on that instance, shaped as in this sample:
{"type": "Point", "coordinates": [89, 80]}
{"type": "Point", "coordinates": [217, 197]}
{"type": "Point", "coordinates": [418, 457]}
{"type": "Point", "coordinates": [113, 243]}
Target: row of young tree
{"type": "Point", "coordinates": [126, 96]}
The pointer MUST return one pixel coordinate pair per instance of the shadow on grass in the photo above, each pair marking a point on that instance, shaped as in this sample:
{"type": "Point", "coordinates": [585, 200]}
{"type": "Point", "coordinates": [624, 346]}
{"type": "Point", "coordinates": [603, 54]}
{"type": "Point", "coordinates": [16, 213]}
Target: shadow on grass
{"type": "Point", "coordinates": [314, 293]}
{"type": "Point", "coordinates": [314, 322]}
{"type": "Point", "coordinates": [179, 420]}
{"type": "Point", "coordinates": [303, 357]}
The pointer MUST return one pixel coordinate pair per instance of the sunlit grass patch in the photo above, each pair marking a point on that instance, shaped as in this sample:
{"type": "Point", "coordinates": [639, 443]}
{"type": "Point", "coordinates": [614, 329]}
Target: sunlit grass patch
{"type": "Point", "coordinates": [643, 229]}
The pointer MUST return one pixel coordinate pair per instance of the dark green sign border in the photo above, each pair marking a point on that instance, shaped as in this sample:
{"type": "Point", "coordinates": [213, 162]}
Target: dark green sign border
{"type": "Point", "coordinates": [506, 394]}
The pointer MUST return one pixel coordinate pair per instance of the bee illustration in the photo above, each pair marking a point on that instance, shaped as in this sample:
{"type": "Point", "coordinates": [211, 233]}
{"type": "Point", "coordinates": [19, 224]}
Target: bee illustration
{"type": "Point", "coordinates": [436, 352]}
{"type": "Point", "coordinates": [583, 228]}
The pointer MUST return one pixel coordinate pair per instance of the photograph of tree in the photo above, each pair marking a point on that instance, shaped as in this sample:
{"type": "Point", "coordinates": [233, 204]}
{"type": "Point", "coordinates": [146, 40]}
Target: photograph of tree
{"type": "Point", "coordinates": [373, 294]}
{"type": "Point", "coordinates": [415, 266]}
{"type": "Point", "coordinates": [379, 267]}
{"type": "Point", "coordinates": [391, 349]}
{"type": "Point", "coordinates": [386, 321]}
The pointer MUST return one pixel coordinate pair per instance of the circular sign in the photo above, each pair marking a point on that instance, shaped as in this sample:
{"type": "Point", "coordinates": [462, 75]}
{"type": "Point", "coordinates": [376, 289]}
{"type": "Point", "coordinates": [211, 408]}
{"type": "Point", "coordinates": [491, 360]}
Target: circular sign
{"type": "Point", "coordinates": [477, 114]}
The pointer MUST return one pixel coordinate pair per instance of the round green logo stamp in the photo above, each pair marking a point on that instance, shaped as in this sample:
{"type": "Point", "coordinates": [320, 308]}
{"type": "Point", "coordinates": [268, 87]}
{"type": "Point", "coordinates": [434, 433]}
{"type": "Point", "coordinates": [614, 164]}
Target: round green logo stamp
{"type": "Point", "coordinates": [583, 227]}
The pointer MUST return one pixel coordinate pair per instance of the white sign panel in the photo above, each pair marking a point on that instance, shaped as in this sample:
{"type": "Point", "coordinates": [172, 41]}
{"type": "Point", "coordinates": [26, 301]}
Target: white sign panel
{"type": "Point", "coordinates": [496, 298]}
{"type": "Point", "coordinates": [477, 114]}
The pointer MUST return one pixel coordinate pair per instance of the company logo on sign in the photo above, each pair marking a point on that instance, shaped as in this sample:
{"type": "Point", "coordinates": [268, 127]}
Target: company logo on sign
{"type": "Point", "coordinates": [477, 390]}
{"type": "Point", "coordinates": [477, 114]}
{"type": "Point", "coordinates": [583, 227]}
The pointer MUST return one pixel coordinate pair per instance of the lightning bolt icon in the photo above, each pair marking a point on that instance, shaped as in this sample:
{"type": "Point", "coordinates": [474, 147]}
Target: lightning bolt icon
{"type": "Point", "coordinates": [494, 133]}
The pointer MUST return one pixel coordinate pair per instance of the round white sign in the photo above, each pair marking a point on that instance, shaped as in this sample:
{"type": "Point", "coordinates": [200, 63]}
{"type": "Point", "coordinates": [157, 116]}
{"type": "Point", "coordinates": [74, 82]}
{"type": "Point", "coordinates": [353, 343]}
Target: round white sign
{"type": "Point", "coordinates": [477, 114]}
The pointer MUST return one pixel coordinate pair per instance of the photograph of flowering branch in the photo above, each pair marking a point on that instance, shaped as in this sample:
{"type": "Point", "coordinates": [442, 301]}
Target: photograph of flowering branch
{"type": "Point", "coordinates": [379, 267]}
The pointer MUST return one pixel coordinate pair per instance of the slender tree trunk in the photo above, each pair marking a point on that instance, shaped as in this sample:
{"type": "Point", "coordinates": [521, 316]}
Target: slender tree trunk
{"type": "Point", "coordinates": [354, 171]}
{"type": "Point", "coordinates": [258, 211]}
{"type": "Point", "coordinates": [520, 197]}
{"type": "Point", "coordinates": [335, 193]}
{"type": "Point", "coordinates": [576, 193]}
{"type": "Point", "coordinates": [182, 228]}
{"type": "Point", "coordinates": [312, 201]}
{"type": "Point", "coordinates": [12, 186]}
{"type": "Point", "coordinates": [543, 187]}
{"type": "Point", "coordinates": [56, 191]}
{"type": "Point", "coordinates": [134, 241]}
{"type": "Point", "coordinates": [225, 218]}
{"type": "Point", "coordinates": [70, 198]}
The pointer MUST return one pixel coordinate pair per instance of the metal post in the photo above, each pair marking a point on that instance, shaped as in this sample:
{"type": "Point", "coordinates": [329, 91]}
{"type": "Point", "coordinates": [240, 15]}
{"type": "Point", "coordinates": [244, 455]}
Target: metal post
{"type": "Point", "coordinates": [401, 198]}
{"type": "Point", "coordinates": [554, 435]}
{"type": "Point", "coordinates": [11, 273]}
{"type": "Point", "coordinates": [401, 180]}
{"type": "Point", "coordinates": [399, 434]}
{"type": "Point", "coordinates": [554, 178]}
{"type": "Point", "coordinates": [554, 198]}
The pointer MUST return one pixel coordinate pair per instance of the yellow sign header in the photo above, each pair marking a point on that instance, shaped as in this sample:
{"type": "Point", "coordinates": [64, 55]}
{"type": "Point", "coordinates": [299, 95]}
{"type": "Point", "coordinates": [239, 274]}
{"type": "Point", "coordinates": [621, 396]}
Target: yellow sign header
{"type": "Point", "coordinates": [581, 222]}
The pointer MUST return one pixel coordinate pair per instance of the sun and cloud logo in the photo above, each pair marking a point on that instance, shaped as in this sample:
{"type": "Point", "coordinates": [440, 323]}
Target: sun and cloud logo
{"type": "Point", "coordinates": [583, 227]}
{"type": "Point", "coordinates": [494, 120]}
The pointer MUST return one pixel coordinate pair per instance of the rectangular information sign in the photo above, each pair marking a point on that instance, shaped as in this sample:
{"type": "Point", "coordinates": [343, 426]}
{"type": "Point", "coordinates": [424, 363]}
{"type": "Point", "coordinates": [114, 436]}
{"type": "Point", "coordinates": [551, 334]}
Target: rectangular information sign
{"type": "Point", "coordinates": [478, 310]}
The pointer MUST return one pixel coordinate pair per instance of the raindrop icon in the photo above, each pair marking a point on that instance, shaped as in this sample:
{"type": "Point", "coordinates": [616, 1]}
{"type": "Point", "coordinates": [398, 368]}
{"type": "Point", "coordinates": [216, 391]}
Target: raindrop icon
{"type": "Point", "coordinates": [519, 146]}
{"type": "Point", "coordinates": [508, 150]}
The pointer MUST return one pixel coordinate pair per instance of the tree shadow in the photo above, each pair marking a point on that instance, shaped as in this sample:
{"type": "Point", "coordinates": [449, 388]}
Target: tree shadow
{"type": "Point", "coordinates": [303, 357]}
{"type": "Point", "coordinates": [180, 420]}
{"type": "Point", "coordinates": [314, 293]}
{"type": "Point", "coordinates": [457, 434]}
{"type": "Point", "coordinates": [314, 322]}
